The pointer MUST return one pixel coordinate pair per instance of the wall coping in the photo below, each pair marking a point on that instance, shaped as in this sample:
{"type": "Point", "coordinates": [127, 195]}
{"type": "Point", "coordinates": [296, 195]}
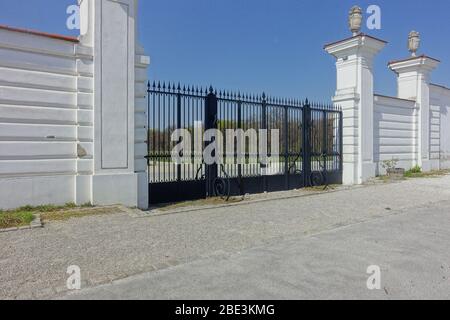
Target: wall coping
{"type": "Point", "coordinates": [380, 101]}
{"type": "Point", "coordinates": [40, 34]}
{"type": "Point", "coordinates": [439, 86]}
{"type": "Point", "coordinates": [389, 97]}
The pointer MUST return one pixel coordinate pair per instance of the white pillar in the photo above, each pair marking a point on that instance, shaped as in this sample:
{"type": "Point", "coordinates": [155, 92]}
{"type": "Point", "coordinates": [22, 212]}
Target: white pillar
{"type": "Point", "coordinates": [141, 126]}
{"type": "Point", "coordinates": [355, 95]}
{"type": "Point", "coordinates": [413, 80]}
{"type": "Point", "coordinates": [111, 32]}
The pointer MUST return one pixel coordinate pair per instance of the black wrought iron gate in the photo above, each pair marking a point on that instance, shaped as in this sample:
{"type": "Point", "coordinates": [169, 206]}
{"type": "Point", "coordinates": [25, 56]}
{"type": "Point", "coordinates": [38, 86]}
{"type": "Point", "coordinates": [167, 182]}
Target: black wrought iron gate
{"type": "Point", "coordinates": [309, 139]}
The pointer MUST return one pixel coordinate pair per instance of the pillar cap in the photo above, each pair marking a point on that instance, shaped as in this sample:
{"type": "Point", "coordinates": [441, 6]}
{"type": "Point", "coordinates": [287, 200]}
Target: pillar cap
{"type": "Point", "coordinates": [360, 35]}
{"type": "Point", "coordinates": [361, 40]}
{"type": "Point", "coordinates": [423, 62]}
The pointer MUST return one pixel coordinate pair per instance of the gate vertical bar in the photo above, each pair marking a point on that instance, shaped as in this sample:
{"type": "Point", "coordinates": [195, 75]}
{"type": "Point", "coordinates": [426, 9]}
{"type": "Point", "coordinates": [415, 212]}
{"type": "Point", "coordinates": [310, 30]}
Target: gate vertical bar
{"type": "Point", "coordinates": [264, 127]}
{"type": "Point", "coordinates": [324, 142]}
{"type": "Point", "coordinates": [286, 146]}
{"type": "Point", "coordinates": [211, 107]}
{"type": "Point", "coordinates": [341, 143]}
{"type": "Point", "coordinates": [179, 127]}
{"type": "Point", "coordinates": [148, 141]}
{"type": "Point", "coordinates": [306, 143]}
{"type": "Point", "coordinates": [148, 129]}
{"type": "Point", "coordinates": [239, 125]}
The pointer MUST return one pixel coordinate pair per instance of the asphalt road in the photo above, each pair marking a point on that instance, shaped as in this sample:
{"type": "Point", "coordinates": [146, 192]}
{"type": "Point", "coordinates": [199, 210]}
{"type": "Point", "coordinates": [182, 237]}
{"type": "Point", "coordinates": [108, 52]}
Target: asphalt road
{"type": "Point", "coordinates": [411, 248]}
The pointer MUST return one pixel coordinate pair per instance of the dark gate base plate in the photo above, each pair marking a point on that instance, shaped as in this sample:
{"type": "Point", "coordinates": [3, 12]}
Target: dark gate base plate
{"type": "Point", "coordinates": [172, 192]}
{"type": "Point", "coordinates": [169, 192]}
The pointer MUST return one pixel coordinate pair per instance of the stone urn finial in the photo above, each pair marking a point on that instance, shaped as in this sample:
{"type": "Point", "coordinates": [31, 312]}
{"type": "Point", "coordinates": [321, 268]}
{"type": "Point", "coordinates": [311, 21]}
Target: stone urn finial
{"type": "Point", "coordinates": [355, 20]}
{"type": "Point", "coordinates": [413, 42]}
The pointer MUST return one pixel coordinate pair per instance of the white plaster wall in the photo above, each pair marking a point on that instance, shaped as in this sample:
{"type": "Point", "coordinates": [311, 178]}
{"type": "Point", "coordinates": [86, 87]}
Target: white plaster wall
{"type": "Point", "coordinates": [435, 134]}
{"type": "Point", "coordinates": [48, 124]}
{"type": "Point", "coordinates": [440, 130]}
{"type": "Point", "coordinates": [45, 112]}
{"type": "Point", "coordinates": [395, 132]}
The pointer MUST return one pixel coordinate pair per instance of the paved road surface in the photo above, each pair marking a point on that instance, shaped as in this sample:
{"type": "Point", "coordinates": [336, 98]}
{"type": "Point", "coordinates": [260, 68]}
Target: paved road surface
{"type": "Point", "coordinates": [247, 243]}
{"type": "Point", "coordinates": [412, 249]}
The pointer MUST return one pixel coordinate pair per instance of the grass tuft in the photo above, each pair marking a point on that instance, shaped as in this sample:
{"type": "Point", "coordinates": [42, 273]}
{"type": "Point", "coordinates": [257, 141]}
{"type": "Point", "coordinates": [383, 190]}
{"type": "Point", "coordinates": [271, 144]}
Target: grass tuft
{"type": "Point", "coordinates": [23, 216]}
{"type": "Point", "coordinates": [416, 172]}
{"type": "Point", "coordinates": [47, 208]}
{"type": "Point", "coordinates": [64, 215]}
{"type": "Point", "coordinates": [15, 219]}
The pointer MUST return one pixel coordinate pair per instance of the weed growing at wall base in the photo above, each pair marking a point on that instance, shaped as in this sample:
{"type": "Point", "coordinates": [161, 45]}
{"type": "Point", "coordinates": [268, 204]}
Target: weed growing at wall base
{"type": "Point", "coordinates": [15, 219]}
{"type": "Point", "coordinates": [413, 171]}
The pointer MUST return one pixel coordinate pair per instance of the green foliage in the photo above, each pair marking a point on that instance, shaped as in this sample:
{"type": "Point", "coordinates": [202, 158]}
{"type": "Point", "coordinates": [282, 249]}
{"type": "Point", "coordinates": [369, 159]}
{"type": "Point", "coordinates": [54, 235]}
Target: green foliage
{"type": "Point", "coordinates": [10, 219]}
{"type": "Point", "coordinates": [24, 216]}
{"type": "Point", "coordinates": [416, 169]}
{"type": "Point", "coordinates": [42, 208]}
{"type": "Point", "coordinates": [47, 208]}
{"type": "Point", "coordinates": [415, 172]}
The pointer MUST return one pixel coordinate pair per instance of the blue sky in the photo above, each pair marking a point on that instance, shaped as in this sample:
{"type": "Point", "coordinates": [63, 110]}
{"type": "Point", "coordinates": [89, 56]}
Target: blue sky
{"type": "Point", "coordinates": [260, 45]}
